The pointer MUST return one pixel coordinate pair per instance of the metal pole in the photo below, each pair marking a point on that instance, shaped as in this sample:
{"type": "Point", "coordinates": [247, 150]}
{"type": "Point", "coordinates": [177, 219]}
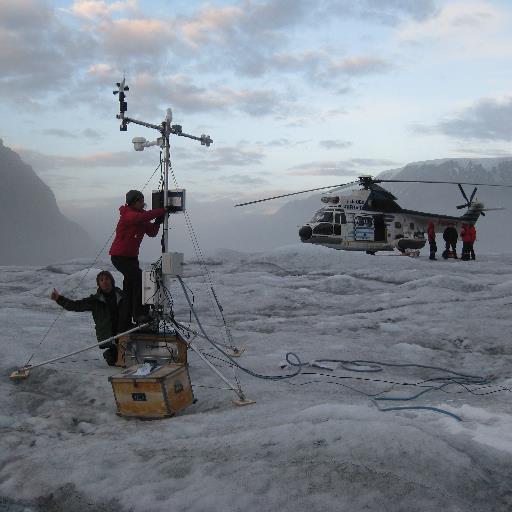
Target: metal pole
{"type": "Point", "coordinates": [166, 184]}
{"type": "Point", "coordinates": [236, 351]}
{"type": "Point", "coordinates": [108, 340]}
{"type": "Point", "coordinates": [167, 156]}
{"type": "Point", "coordinates": [238, 391]}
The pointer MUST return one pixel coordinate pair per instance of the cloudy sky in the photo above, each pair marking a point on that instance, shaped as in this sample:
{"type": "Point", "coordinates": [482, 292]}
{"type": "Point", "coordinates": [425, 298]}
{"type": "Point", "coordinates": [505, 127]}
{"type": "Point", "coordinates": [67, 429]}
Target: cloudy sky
{"type": "Point", "coordinates": [295, 93]}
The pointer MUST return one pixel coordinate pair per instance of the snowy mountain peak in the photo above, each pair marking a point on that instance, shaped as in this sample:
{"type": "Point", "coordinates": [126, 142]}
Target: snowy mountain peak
{"type": "Point", "coordinates": [484, 170]}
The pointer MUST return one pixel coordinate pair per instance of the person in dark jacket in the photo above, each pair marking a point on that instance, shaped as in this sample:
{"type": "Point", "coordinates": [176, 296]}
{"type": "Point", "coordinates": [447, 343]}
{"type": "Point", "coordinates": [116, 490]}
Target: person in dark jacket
{"type": "Point", "coordinates": [450, 237]}
{"type": "Point", "coordinates": [109, 311]}
{"type": "Point", "coordinates": [431, 233]}
{"type": "Point", "coordinates": [134, 223]}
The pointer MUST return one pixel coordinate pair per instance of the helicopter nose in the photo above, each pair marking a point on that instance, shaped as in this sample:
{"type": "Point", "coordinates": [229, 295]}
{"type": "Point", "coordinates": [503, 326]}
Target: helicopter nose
{"type": "Point", "coordinates": [305, 233]}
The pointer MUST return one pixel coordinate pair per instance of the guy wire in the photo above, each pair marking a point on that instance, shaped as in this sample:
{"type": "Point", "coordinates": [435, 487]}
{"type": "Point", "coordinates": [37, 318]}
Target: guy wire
{"type": "Point", "coordinates": [199, 254]}
{"type": "Point", "coordinates": [60, 313]}
{"type": "Point", "coordinates": [298, 364]}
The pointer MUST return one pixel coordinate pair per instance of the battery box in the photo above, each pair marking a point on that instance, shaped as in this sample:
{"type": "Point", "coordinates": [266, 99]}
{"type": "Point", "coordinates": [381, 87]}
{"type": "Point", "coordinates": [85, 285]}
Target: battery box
{"type": "Point", "coordinates": [172, 263]}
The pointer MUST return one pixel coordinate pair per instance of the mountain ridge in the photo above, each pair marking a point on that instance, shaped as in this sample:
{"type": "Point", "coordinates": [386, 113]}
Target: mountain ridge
{"type": "Point", "coordinates": [34, 231]}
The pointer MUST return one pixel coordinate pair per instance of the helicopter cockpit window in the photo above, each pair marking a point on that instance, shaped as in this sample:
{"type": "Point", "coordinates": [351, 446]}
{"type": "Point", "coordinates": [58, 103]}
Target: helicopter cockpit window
{"type": "Point", "coordinates": [322, 216]}
{"type": "Point", "coordinates": [339, 218]}
{"type": "Point", "coordinates": [364, 222]}
{"type": "Point", "coordinates": [398, 225]}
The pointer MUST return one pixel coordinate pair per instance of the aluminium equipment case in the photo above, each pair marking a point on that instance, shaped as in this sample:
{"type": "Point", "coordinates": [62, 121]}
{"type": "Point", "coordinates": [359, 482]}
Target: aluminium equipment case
{"type": "Point", "coordinates": [163, 348]}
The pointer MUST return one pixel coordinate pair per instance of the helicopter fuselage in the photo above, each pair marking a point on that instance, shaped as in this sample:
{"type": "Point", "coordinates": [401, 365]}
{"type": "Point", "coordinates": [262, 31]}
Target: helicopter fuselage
{"type": "Point", "coordinates": [371, 221]}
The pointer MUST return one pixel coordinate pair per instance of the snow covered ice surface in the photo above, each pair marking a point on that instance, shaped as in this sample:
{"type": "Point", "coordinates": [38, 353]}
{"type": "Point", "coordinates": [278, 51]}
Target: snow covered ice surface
{"type": "Point", "coordinates": [312, 443]}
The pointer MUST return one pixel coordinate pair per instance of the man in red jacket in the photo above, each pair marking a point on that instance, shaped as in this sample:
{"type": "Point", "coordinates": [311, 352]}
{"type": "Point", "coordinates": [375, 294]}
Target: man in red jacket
{"type": "Point", "coordinates": [468, 235]}
{"type": "Point", "coordinates": [134, 223]}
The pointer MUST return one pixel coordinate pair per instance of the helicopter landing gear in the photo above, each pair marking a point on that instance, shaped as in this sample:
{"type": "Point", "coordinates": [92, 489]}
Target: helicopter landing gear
{"type": "Point", "coordinates": [412, 253]}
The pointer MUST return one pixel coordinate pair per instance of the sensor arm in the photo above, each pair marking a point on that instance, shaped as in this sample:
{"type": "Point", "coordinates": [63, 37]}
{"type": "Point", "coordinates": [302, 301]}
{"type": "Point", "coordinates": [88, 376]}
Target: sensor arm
{"type": "Point", "coordinates": [127, 120]}
{"type": "Point", "coordinates": [204, 139]}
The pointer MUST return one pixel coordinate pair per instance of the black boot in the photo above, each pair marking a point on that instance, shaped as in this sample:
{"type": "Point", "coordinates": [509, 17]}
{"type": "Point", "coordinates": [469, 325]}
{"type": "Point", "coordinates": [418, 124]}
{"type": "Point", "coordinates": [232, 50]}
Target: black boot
{"type": "Point", "coordinates": [110, 355]}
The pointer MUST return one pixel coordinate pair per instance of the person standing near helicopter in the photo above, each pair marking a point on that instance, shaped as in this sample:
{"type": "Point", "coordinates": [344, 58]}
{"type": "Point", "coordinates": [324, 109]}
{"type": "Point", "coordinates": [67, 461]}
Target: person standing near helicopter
{"type": "Point", "coordinates": [431, 233]}
{"type": "Point", "coordinates": [468, 237]}
{"type": "Point", "coordinates": [450, 237]}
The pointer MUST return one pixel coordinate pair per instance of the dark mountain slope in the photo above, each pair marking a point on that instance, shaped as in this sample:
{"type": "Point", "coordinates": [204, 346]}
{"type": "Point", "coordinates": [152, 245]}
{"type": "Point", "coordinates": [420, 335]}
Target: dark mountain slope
{"type": "Point", "coordinates": [32, 229]}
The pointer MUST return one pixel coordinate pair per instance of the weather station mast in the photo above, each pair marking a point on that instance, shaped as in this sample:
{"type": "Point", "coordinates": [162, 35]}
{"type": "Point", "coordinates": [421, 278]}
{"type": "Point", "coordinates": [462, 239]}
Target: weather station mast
{"type": "Point", "coordinates": [154, 288]}
{"type": "Point", "coordinates": [172, 200]}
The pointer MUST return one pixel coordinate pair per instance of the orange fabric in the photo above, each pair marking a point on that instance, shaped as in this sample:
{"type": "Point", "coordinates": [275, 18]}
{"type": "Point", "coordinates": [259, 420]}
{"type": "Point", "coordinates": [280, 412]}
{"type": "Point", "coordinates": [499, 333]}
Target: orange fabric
{"type": "Point", "coordinates": [431, 231]}
{"type": "Point", "coordinates": [468, 233]}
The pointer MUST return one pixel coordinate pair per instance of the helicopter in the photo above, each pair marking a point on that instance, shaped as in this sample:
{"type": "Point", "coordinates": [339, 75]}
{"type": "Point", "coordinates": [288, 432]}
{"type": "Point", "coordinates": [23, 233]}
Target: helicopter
{"type": "Point", "coordinates": [369, 219]}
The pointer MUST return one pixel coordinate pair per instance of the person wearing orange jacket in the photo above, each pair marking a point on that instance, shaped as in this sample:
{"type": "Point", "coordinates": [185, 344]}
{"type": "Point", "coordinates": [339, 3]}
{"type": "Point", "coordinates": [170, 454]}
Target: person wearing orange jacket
{"type": "Point", "coordinates": [431, 233]}
{"type": "Point", "coordinates": [468, 236]}
{"type": "Point", "coordinates": [134, 223]}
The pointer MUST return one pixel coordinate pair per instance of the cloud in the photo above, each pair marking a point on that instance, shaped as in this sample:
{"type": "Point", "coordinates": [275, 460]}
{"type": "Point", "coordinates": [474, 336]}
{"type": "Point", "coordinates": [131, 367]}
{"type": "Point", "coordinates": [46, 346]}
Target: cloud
{"type": "Point", "coordinates": [386, 12]}
{"type": "Point", "coordinates": [42, 162]}
{"type": "Point", "coordinates": [464, 29]}
{"type": "Point", "coordinates": [37, 52]}
{"type": "Point", "coordinates": [128, 40]}
{"type": "Point", "coordinates": [88, 133]}
{"type": "Point", "coordinates": [248, 21]}
{"type": "Point", "coordinates": [29, 14]}
{"type": "Point", "coordinates": [91, 134]}
{"type": "Point", "coordinates": [282, 142]}
{"type": "Point", "coordinates": [241, 179]}
{"type": "Point", "coordinates": [456, 19]}
{"type": "Point", "coordinates": [357, 66]}
{"type": "Point", "coordinates": [94, 9]}
{"type": "Point", "coordinates": [61, 134]}
{"type": "Point", "coordinates": [487, 120]}
{"type": "Point", "coordinates": [95, 41]}
{"type": "Point", "coordinates": [484, 152]}
{"type": "Point", "coordinates": [217, 159]}
{"type": "Point", "coordinates": [335, 144]}
{"type": "Point", "coordinates": [211, 24]}
{"type": "Point", "coordinates": [350, 167]}
{"type": "Point", "coordinates": [320, 67]}
{"type": "Point", "coordinates": [186, 95]}
{"type": "Point", "coordinates": [244, 38]}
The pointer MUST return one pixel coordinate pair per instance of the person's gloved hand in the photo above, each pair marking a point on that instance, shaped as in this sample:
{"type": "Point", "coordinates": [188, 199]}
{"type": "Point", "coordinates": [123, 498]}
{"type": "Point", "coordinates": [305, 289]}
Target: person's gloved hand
{"type": "Point", "coordinates": [55, 294]}
{"type": "Point", "coordinates": [170, 208]}
{"type": "Point", "coordinates": [159, 220]}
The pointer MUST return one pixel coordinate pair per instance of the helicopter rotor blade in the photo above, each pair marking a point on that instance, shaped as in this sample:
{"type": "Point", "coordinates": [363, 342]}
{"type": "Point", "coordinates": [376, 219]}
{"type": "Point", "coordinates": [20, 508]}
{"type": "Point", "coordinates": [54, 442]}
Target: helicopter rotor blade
{"type": "Point", "coordinates": [460, 206]}
{"type": "Point", "coordinates": [443, 182]}
{"type": "Point", "coordinates": [463, 193]}
{"type": "Point", "coordinates": [472, 195]}
{"type": "Point", "coordinates": [296, 193]}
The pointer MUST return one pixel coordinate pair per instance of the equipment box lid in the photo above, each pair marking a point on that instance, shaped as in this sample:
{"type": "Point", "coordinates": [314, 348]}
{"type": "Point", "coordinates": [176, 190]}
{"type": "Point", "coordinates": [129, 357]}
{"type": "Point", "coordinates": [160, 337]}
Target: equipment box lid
{"type": "Point", "coordinates": [158, 374]}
